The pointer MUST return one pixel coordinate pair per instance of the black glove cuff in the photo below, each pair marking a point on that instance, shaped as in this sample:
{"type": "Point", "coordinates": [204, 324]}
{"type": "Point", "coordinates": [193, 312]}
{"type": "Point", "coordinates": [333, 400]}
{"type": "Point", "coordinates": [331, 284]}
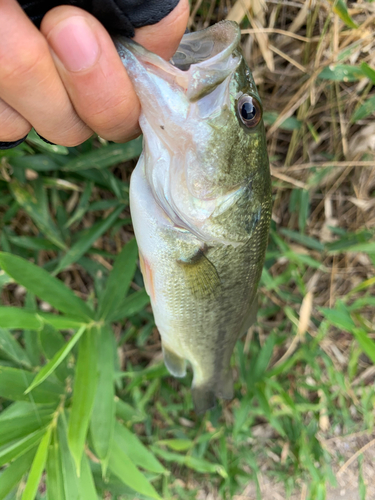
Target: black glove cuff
{"type": "Point", "coordinates": [13, 144]}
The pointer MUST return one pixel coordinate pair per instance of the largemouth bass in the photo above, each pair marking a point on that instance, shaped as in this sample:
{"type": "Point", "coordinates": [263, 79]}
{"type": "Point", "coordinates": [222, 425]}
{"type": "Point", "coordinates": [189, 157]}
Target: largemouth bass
{"type": "Point", "coordinates": [200, 199]}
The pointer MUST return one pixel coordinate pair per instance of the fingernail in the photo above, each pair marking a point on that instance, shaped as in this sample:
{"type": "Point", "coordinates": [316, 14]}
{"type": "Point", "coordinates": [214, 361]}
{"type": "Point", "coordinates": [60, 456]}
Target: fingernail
{"type": "Point", "coordinates": [75, 44]}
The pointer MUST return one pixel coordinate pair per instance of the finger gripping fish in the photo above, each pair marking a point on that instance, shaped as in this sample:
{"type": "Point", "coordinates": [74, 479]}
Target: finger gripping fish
{"type": "Point", "coordinates": [200, 199]}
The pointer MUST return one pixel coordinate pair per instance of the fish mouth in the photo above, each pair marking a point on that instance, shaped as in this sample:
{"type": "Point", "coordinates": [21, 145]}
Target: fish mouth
{"type": "Point", "coordinates": [203, 60]}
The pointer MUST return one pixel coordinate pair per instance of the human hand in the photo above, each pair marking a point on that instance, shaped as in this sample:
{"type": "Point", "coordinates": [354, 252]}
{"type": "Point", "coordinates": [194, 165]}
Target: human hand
{"type": "Point", "coordinates": [67, 80]}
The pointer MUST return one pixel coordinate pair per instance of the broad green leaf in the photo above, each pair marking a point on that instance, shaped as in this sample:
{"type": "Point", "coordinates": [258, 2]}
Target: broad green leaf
{"type": "Point", "coordinates": [339, 319]}
{"type": "Point", "coordinates": [119, 280]}
{"type": "Point", "coordinates": [127, 413]}
{"type": "Point", "coordinates": [83, 205]}
{"type": "Point", "coordinates": [69, 473]}
{"type": "Point", "coordinates": [14, 382]}
{"type": "Point", "coordinates": [305, 240]}
{"type": "Point", "coordinates": [54, 476]}
{"type": "Point", "coordinates": [368, 71]}
{"type": "Point", "coordinates": [34, 139]}
{"type": "Point", "coordinates": [341, 73]}
{"type": "Point", "coordinates": [176, 444]}
{"type": "Point", "coordinates": [44, 286]}
{"type": "Point", "coordinates": [366, 344]}
{"type": "Point", "coordinates": [39, 163]}
{"type": "Point", "coordinates": [32, 243]}
{"type": "Point", "coordinates": [10, 346]}
{"type": "Point", "coordinates": [12, 475]}
{"type": "Point", "coordinates": [198, 464]}
{"type": "Point", "coordinates": [87, 239]}
{"type": "Point", "coordinates": [17, 427]}
{"type": "Point", "coordinates": [18, 448]}
{"type": "Point", "coordinates": [132, 304]}
{"type": "Point", "coordinates": [58, 358]}
{"type": "Point", "coordinates": [15, 317]}
{"type": "Point", "coordinates": [86, 481]}
{"type": "Point", "coordinates": [33, 200]}
{"type": "Point", "coordinates": [106, 157]}
{"type": "Point", "coordinates": [366, 109]}
{"type": "Point", "coordinates": [136, 450]}
{"type": "Point", "coordinates": [61, 322]}
{"type": "Point", "coordinates": [121, 465]}
{"type": "Point", "coordinates": [340, 8]}
{"type": "Point", "coordinates": [103, 415]}
{"type": "Point", "coordinates": [25, 409]}
{"type": "Point", "coordinates": [85, 386]}
{"type": "Point", "coordinates": [290, 123]}
{"type": "Point", "coordinates": [37, 468]}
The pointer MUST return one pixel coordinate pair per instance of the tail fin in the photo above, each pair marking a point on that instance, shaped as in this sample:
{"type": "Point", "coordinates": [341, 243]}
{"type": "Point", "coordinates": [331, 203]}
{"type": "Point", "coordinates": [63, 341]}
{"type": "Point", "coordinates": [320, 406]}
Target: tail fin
{"type": "Point", "coordinates": [203, 398]}
{"type": "Point", "coordinates": [205, 394]}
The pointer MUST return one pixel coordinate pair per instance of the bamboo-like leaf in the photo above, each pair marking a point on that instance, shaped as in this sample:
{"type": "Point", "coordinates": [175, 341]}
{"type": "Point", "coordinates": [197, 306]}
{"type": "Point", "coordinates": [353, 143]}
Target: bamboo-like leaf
{"type": "Point", "coordinates": [136, 450]}
{"type": "Point", "coordinates": [340, 8]}
{"type": "Point", "coordinates": [106, 157]}
{"type": "Point", "coordinates": [87, 239]}
{"type": "Point", "coordinates": [58, 358]}
{"type": "Point", "coordinates": [341, 73]}
{"type": "Point", "coordinates": [103, 415]}
{"type": "Point", "coordinates": [14, 382]}
{"type": "Point", "coordinates": [55, 482]}
{"type": "Point", "coordinates": [16, 317]}
{"type": "Point", "coordinates": [33, 200]}
{"type": "Point", "coordinates": [18, 448]}
{"type": "Point", "coordinates": [10, 478]}
{"type": "Point", "coordinates": [365, 342]}
{"type": "Point", "coordinates": [69, 474]}
{"type": "Point", "coordinates": [12, 349]}
{"type": "Point", "coordinates": [14, 428]}
{"type": "Point", "coordinates": [61, 322]}
{"type": "Point", "coordinates": [119, 279]}
{"type": "Point", "coordinates": [37, 468]}
{"type": "Point", "coordinates": [85, 386]}
{"type": "Point", "coordinates": [366, 109]}
{"type": "Point", "coordinates": [86, 481]}
{"type": "Point", "coordinates": [130, 305]}
{"type": "Point", "coordinates": [44, 286]}
{"type": "Point", "coordinates": [121, 465]}
{"type": "Point", "coordinates": [368, 71]}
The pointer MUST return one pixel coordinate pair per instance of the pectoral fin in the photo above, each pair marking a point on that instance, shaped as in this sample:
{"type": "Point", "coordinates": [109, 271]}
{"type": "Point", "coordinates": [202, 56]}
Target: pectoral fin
{"type": "Point", "coordinates": [175, 364]}
{"type": "Point", "coordinates": [201, 275]}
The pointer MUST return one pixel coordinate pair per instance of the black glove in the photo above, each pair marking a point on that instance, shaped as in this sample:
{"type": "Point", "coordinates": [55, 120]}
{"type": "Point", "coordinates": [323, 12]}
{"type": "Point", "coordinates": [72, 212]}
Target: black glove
{"type": "Point", "coordinates": [119, 17]}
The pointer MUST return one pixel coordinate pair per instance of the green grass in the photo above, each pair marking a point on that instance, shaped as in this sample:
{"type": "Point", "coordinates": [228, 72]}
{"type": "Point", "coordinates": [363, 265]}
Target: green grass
{"type": "Point", "coordinates": [84, 395]}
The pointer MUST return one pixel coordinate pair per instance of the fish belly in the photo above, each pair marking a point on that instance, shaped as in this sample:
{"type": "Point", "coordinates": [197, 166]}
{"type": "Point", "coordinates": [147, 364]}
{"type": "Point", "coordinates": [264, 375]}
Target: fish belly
{"type": "Point", "coordinates": [200, 306]}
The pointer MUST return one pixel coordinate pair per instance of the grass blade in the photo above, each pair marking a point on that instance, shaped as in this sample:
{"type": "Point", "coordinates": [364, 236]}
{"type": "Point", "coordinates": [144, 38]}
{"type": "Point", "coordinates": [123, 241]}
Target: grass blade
{"type": "Point", "coordinates": [15, 317]}
{"type": "Point", "coordinates": [122, 467]}
{"type": "Point", "coordinates": [14, 382]}
{"type": "Point", "coordinates": [55, 483]}
{"type": "Point", "coordinates": [69, 474]}
{"type": "Point", "coordinates": [58, 358]}
{"type": "Point", "coordinates": [106, 157]}
{"type": "Point", "coordinates": [86, 481]}
{"type": "Point", "coordinates": [86, 240]}
{"type": "Point", "coordinates": [119, 279]}
{"type": "Point", "coordinates": [85, 386]}
{"type": "Point", "coordinates": [136, 450]}
{"type": "Point", "coordinates": [10, 478]}
{"type": "Point", "coordinates": [103, 416]}
{"type": "Point", "coordinates": [44, 286]}
{"type": "Point", "coordinates": [37, 468]}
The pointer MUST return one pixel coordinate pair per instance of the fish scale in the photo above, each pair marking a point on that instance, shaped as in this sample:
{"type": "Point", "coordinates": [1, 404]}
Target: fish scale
{"type": "Point", "coordinates": [200, 199]}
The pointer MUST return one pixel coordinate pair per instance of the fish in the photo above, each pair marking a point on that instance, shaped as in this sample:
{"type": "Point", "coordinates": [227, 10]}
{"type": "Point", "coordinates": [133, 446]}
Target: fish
{"type": "Point", "coordinates": [200, 200]}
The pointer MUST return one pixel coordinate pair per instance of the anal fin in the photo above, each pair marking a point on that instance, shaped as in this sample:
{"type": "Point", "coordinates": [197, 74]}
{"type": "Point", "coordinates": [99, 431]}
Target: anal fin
{"type": "Point", "coordinates": [175, 364]}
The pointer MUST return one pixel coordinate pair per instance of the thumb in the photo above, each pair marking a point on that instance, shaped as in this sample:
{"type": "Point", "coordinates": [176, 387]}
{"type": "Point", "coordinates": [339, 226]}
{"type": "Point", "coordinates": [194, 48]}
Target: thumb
{"type": "Point", "coordinates": [164, 37]}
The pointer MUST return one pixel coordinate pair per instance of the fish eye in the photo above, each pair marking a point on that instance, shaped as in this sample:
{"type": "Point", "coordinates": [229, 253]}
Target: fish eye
{"type": "Point", "coordinates": [249, 111]}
